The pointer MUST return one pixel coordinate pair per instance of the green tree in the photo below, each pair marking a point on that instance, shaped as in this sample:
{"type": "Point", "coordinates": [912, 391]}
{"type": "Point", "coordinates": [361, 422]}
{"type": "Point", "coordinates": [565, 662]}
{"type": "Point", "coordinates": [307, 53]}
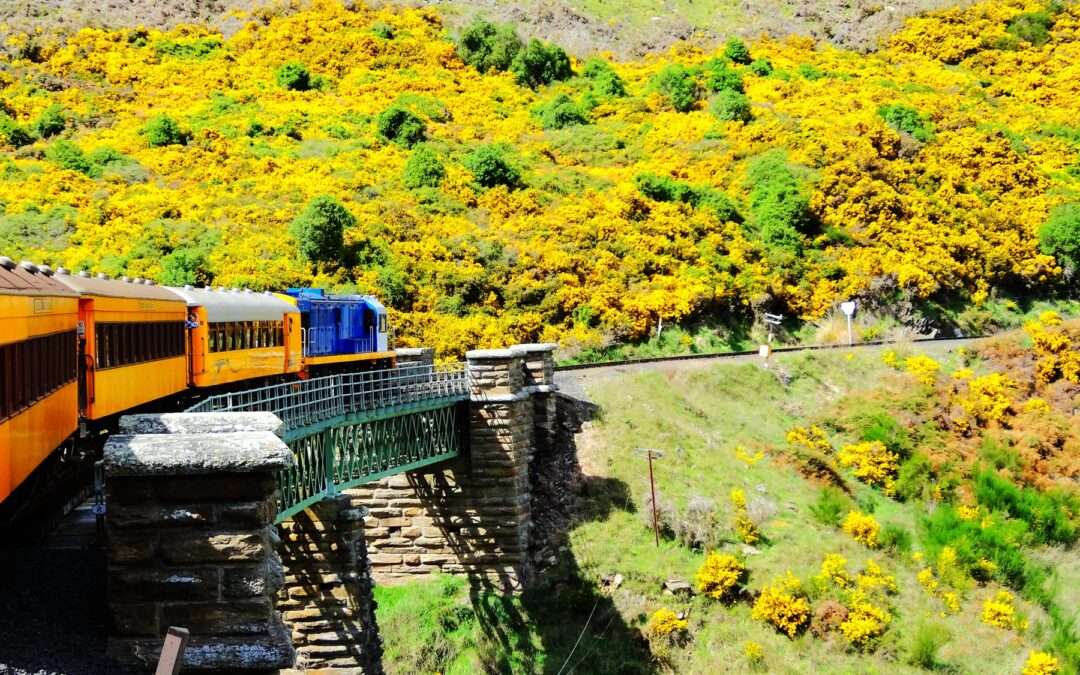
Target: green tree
{"type": "Point", "coordinates": [731, 106]}
{"type": "Point", "coordinates": [67, 155]}
{"type": "Point", "coordinates": [605, 81]}
{"type": "Point", "coordinates": [721, 77]}
{"type": "Point", "coordinates": [486, 46]}
{"type": "Point", "coordinates": [735, 51]}
{"type": "Point", "coordinates": [188, 265]}
{"type": "Point", "coordinates": [320, 229]}
{"type": "Point", "coordinates": [293, 75]}
{"type": "Point", "coordinates": [400, 125]}
{"type": "Point", "coordinates": [779, 203]}
{"type": "Point", "coordinates": [164, 130]}
{"type": "Point", "coordinates": [50, 122]}
{"type": "Point", "coordinates": [559, 113]}
{"type": "Point", "coordinates": [490, 167]}
{"type": "Point", "coordinates": [1059, 236]}
{"type": "Point", "coordinates": [540, 63]}
{"type": "Point", "coordinates": [679, 84]}
{"type": "Point", "coordinates": [12, 134]}
{"type": "Point", "coordinates": [1033, 27]}
{"type": "Point", "coordinates": [907, 119]}
{"type": "Point", "coordinates": [423, 168]}
{"type": "Point", "coordinates": [761, 67]}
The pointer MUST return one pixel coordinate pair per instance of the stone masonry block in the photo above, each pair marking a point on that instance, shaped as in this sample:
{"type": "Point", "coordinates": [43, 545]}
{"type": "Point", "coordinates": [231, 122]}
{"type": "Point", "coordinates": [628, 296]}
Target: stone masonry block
{"type": "Point", "coordinates": [140, 584]}
{"type": "Point", "coordinates": [220, 546]}
{"type": "Point", "coordinates": [235, 617]}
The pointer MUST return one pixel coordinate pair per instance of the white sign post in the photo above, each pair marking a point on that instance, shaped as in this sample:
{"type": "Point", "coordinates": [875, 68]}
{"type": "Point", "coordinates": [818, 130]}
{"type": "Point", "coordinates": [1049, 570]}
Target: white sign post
{"type": "Point", "coordinates": [849, 309]}
{"type": "Point", "coordinates": [771, 320]}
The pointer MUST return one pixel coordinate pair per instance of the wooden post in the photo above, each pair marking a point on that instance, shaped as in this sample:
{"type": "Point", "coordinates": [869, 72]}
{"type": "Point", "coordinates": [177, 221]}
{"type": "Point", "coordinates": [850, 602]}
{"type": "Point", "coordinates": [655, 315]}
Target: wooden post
{"type": "Point", "coordinates": [172, 654]}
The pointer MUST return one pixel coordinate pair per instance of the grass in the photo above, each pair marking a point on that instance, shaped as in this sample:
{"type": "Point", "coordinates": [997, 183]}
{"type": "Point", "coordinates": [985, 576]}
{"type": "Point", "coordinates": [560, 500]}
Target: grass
{"type": "Point", "coordinates": [698, 416]}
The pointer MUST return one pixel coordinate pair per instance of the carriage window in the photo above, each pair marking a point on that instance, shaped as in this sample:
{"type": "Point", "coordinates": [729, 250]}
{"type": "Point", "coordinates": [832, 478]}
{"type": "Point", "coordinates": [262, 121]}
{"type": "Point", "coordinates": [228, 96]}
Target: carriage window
{"type": "Point", "coordinates": [382, 323]}
{"type": "Point", "coordinates": [34, 369]}
{"type": "Point", "coordinates": [124, 344]}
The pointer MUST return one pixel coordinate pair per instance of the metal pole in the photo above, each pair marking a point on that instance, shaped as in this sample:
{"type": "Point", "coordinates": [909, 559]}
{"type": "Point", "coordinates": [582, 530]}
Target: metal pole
{"type": "Point", "coordinates": [652, 488]}
{"type": "Point", "coordinates": [850, 338]}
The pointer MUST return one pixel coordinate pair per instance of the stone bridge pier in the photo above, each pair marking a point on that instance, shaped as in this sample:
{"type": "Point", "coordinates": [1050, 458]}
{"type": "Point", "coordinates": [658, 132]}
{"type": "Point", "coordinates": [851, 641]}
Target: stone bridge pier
{"type": "Point", "coordinates": [471, 515]}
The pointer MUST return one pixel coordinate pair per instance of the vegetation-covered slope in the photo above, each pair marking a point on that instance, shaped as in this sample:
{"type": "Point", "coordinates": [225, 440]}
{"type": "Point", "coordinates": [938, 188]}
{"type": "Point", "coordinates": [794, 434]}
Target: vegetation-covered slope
{"type": "Point", "coordinates": [922, 512]}
{"type": "Point", "coordinates": [545, 198]}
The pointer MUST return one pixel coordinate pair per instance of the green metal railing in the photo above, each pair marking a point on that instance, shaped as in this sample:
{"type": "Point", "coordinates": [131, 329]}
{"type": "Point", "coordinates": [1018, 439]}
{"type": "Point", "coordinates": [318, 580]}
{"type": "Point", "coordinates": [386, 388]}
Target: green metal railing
{"type": "Point", "coordinates": [347, 430]}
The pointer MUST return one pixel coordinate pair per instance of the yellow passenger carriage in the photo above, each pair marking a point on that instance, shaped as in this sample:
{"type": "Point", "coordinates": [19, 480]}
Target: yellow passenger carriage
{"type": "Point", "coordinates": [239, 335]}
{"type": "Point", "coordinates": [132, 343]}
{"type": "Point", "coordinates": [38, 390]}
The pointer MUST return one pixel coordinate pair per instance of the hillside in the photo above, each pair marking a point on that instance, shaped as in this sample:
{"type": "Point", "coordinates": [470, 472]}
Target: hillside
{"type": "Point", "coordinates": [584, 27]}
{"type": "Point", "coordinates": [960, 469]}
{"type": "Point", "coordinates": [546, 198]}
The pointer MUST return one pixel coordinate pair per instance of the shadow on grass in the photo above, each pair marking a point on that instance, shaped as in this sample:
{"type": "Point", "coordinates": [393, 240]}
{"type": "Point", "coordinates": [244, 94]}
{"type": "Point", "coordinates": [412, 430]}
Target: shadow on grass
{"type": "Point", "coordinates": [563, 621]}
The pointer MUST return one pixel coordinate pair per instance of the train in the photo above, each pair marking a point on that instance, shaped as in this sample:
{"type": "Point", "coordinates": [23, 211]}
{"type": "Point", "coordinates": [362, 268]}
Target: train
{"type": "Point", "coordinates": [78, 350]}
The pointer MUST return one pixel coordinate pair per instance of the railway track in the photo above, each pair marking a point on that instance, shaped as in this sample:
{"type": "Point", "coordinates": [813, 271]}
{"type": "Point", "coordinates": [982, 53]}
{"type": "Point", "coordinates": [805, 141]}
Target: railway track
{"type": "Point", "coordinates": [778, 350]}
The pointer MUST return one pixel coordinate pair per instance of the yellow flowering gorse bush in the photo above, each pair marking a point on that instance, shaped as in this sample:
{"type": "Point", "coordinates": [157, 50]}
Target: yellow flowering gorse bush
{"type": "Point", "coordinates": [862, 527]}
{"type": "Point", "coordinates": [999, 611]}
{"type": "Point", "coordinates": [1040, 663]}
{"type": "Point", "coordinates": [783, 605]}
{"type": "Point", "coordinates": [872, 463]}
{"type": "Point", "coordinates": [718, 577]}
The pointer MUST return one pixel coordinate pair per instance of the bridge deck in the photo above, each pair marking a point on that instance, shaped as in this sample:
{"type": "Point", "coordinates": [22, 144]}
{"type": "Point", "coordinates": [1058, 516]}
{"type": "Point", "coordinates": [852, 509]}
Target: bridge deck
{"type": "Point", "coordinates": [350, 429]}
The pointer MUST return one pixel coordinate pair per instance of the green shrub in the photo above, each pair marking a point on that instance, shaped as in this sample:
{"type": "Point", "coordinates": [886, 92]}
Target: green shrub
{"type": "Point", "coordinates": [779, 202]}
{"type": "Point", "coordinates": [605, 81]}
{"type": "Point", "coordinates": [725, 208]}
{"type": "Point", "coordinates": [486, 46]}
{"type": "Point", "coordinates": [664, 188]}
{"type": "Point", "coordinates": [106, 156]}
{"type": "Point", "coordinates": [731, 106]}
{"type": "Point", "coordinates": [187, 265]}
{"type": "Point", "coordinates": [997, 542]}
{"type": "Point", "coordinates": [720, 77]}
{"type": "Point", "coordinates": [881, 426]}
{"type": "Point", "coordinates": [293, 127]}
{"type": "Point", "coordinates": [831, 507]}
{"type": "Point", "coordinates": [13, 134]}
{"type": "Point", "coordinates": [164, 130]}
{"type": "Point", "coordinates": [999, 453]}
{"type": "Point", "coordinates": [320, 229]}
{"type": "Point", "coordinates": [1033, 27]}
{"type": "Point", "coordinates": [810, 72]}
{"type": "Point", "coordinates": [679, 84]}
{"type": "Point", "coordinates": [400, 125]}
{"type": "Point", "coordinates": [490, 167]}
{"type": "Point", "coordinates": [381, 30]}
{"type": "Point", "coordinates": [1059, 236]}
{"type": "Point", "coordinates": [50, 122]}
{"type": "Point", "coordinates": [925, 643]}
{"type": "Point", "coordinates": [67, 155]}
{"type": "Point", "coordinates": [423, 168]}
{"type": "Point", "coordinates": [761, 67]}
{"type": "Point", "coordinates": [667, 189]}
{"type": "Point", "coordinates": [913, 481]}
{"type": "Point", "coordinates": [895, 539]}
{"type": "Point", "coordinates": [735, 51]}
{"type": "Point", "coordinates": [199, 48]}
{"type": "Point", "coordinates": [907, 119]}
{"type": "Point", "coordinates": [559, 113]}
{"type": "Point", "coordinates": [541, 63]}
{"type": "Point", "coordinates": [294, 76]}
{"type": "Point", "coordinates": [1047, 514]}
{"type": "Point", "coordinates": [257, 128]}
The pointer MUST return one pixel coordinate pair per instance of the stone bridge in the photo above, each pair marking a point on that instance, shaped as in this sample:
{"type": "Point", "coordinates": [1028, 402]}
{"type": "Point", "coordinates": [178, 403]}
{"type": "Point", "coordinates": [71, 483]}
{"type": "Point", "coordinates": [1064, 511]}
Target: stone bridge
{"type": "Point", "coordinates": [261, 520]}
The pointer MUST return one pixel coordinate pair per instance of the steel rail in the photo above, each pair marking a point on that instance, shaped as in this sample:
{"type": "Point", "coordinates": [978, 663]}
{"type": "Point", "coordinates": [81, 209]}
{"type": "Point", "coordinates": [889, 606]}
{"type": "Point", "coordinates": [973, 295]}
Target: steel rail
{"type": "Point", "coordinates": [733, 355]}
